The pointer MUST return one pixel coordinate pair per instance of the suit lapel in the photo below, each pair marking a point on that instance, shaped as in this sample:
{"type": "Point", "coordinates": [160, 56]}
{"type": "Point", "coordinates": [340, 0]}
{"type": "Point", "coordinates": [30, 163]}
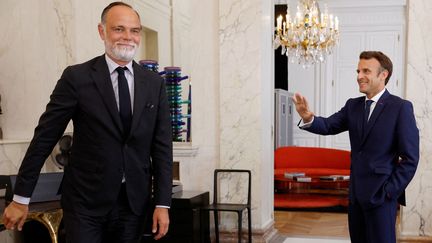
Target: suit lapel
{"type": "Point", "coordinates": [379, 107]}
{"type": "Point", "coordinates": [140, 95]}
{"type": "Point", "coordinates": [102, 79]}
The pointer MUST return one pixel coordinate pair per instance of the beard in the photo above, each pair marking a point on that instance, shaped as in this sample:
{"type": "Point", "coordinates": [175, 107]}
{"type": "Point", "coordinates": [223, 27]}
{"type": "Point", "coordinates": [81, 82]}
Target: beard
{"type": "Point", "coordinates": [124, 52]}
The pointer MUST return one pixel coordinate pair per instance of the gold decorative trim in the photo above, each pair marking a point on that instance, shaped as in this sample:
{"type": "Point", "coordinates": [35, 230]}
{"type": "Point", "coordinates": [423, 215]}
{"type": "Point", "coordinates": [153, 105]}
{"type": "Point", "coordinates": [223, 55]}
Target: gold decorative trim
{"type": "Point", "coordinates": [50, 219]}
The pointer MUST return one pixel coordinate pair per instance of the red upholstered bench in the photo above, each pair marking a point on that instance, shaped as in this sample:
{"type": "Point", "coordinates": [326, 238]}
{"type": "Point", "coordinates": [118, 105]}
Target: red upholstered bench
{"type": "Point", "coordinates": [314, 162]}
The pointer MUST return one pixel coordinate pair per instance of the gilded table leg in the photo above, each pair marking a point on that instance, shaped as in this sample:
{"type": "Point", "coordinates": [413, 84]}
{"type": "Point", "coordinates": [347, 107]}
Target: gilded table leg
{"type": "Point", "coordinates": [51, 220]}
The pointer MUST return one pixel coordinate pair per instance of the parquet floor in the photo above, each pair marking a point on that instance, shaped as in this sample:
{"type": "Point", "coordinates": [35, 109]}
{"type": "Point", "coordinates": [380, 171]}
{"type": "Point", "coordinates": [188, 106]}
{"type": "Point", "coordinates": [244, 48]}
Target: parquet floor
{"type": "Point", "coordinates": [311, 224]}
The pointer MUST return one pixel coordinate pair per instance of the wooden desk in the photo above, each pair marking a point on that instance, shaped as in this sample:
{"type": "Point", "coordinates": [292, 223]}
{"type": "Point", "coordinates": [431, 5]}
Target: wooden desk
{"type": "Point", "coordinates": [48, 214]}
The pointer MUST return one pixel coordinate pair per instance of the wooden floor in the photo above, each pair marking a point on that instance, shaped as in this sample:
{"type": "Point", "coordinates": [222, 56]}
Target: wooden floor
{"type": "Point", "coordinates": [311, 224]}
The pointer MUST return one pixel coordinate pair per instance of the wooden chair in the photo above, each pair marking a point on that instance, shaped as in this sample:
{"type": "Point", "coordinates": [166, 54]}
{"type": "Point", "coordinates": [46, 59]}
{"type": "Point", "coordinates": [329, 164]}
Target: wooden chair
{"type": "Point", "coordinates": [218, 206]}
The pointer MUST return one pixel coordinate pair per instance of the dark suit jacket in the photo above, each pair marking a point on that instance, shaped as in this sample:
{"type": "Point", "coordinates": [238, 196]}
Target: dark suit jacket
{"type": "Point", "coordinates": [100, 153]}
{"type": "Point", "coordinates": [385, 158]}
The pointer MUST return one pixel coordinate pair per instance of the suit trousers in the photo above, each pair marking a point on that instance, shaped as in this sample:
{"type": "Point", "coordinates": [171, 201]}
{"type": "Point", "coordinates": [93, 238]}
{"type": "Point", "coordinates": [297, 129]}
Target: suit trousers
{"type": "Point", "coordinates": [376, 225]}
{"type": "Point", "coordinates": [120, 225]}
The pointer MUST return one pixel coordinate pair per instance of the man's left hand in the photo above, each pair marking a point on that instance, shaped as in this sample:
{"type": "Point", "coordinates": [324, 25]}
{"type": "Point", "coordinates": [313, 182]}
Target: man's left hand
{"type": "Point", "coordinates": [160, 222]}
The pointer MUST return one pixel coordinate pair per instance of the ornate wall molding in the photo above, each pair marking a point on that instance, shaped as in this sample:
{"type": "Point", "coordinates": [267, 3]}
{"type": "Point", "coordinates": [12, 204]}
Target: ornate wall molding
{"type": "Point", "coordinates": [162, 7]}
{"type": "Point", "coordinates": [182, 150]}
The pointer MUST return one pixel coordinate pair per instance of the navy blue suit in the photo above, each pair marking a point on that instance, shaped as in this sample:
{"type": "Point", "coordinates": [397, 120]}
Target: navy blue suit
{"type": "Point", "coordinates": [384, 158]}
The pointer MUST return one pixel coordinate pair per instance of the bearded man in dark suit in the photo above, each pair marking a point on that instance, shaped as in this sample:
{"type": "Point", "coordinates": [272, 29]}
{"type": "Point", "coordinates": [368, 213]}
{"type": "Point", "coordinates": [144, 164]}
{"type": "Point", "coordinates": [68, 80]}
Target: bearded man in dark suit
{"type": "Point", "coordinates": [122, 138]}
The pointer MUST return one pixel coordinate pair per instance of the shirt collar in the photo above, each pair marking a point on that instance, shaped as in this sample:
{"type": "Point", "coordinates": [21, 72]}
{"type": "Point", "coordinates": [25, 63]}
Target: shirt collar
{"type": "Point", "coordinates": [377, 96]}
{"type": "Point", "coordinates": [113, 65]}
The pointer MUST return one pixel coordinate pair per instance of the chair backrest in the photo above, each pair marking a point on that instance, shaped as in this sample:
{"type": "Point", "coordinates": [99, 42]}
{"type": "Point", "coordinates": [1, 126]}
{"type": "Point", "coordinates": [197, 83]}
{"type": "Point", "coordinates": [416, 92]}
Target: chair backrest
{"type": "Point", "coordinates": [239, 179]}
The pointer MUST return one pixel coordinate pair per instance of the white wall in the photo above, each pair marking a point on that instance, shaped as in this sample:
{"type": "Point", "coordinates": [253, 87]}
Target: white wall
{"type": "Point", "coordinates": [417, 216]}
{"type": "Point", "coordinates": [246, 97]}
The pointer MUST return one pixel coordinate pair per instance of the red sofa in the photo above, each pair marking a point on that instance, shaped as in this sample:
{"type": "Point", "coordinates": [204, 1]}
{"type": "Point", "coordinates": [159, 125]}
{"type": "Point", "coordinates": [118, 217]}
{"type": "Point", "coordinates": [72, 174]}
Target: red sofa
{"type": "Point", "coordinates": [313, 162]}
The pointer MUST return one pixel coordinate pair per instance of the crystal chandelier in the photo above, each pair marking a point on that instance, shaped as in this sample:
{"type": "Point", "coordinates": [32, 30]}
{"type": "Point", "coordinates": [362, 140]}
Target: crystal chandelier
{"type": "Point", "coordinates": [308, 36]}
